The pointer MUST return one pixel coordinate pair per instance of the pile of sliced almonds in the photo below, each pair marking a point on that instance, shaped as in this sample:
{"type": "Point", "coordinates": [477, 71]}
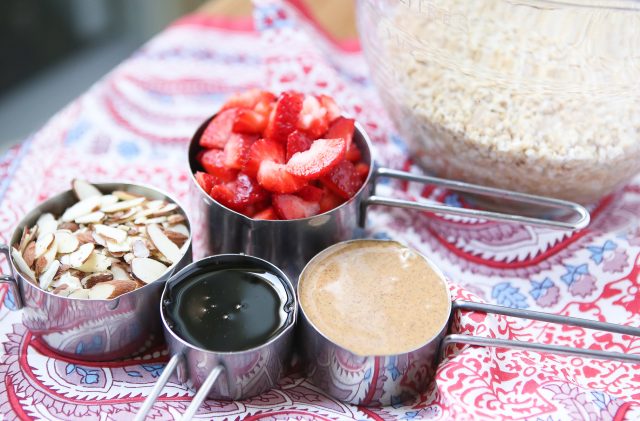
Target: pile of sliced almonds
{"type": "Point", "coordinates": [103, 246]}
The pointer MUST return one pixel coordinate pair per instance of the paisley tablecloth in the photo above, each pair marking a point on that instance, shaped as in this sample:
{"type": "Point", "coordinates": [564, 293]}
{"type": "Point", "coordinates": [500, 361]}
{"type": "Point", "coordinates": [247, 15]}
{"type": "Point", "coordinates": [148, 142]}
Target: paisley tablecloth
{"type": "Point", "coordinates": [134, 125]}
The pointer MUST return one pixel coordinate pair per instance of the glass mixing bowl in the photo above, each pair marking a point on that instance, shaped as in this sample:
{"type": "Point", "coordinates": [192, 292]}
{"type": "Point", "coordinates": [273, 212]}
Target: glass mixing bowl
{"type": "Point", "coordinates": [535, 96]}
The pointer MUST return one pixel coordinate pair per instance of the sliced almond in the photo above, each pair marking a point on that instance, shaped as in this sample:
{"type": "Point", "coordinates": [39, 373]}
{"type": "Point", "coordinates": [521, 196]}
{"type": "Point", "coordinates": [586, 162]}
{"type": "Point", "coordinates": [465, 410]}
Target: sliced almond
{"type": "Point", "coordinates": [43, 243]}
{"type": "Point", "coordinates": [124, 216]}
{"type": "Point", "coordinates": [124, 195]}
{"type": "Point", "coordinates": [22, 265]}
{"type": "Point", "coordinates": [66, 241]}
{"type": "Point", "coordinates": [176, 219]}
{"type": "Point", "coordinates": [81, 208]}
{"type": "Point", "coordinates": [111, 289]}
{"type": "Point", "coordinates": [46, 224]}
{"type": "Point", "coordinates": [79, 293]}
{"type": "Point", "coordinates": [155, 204]}
{"type": "Point", "coordinates": [29, 254]}
{"type": "Point", "coordinates": [121, 247]}
{"type": "Point", "coordinates": [119, 271]}
{"type": "Point", "coordinates": [139, 248]}
{"type": "Point", "coordinates": [108, 199]}
{"type": "Point", "coordinates": [84, 189]}
{"type": "Point", "coordinates": [90, 218]}
{"type": "Point", "coordinates": [115, 234]}
{"type": "Point", "coordinates": [72, 282]}
{"type": "Point", "coordinates": [90, 280]}
{"type": "Point", "coordinates": [128, 257]}
{"type": "Point", "coordinates": [85, 237]}
{"type": "Point", "coordinates": [147, 270]}
{"type": "Point", "coordinates": [71, 226]}
{"type": "Point", "coordinates": [95, 263]}
{"type": "Point", "coordinates": [46, 278]}
{"type": "Point", "coordinates": [62, 290]}
{"type": "Point", "coordinates": [177, 238]}
{"type": "Point", "coordinates": [78, 257]}
{"type": "Point", "coordinates": [165, 210]}
{"type": "Point", "coordinates": [181, 228]}
{"type": "Point", "coordinates": [27, 236]}
{"type": "Point", "coordinates": [43, 262]}
{"type": "Point", "coordinates": [64, 259]}
{"type": "Point", "coordinates": [120, 206]}
{"type": "Point", "coordinates": [163, 243]}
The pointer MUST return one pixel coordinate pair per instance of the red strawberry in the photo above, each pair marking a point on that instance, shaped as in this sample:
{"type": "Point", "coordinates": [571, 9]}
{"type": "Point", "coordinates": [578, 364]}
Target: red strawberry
{"type": "Point", "coordinates": [268, 214]}
{"type": "Point", "coordinates": [353, 153]}
{"type": "Point", "coordinates": [289, 206]}
{"type": "Point", "coordinates": [362, 169]}
{"type": "Point", "coordinates": [263, 150]}
{"type": "Point", "coordinates": [342, 127]}
{"type": "Point", "coordinates": [284, 116]}
{"type": "Point", "coordinates": [343, 180]}
{"type": "Point", "coordinates": [275, 178]}
{"type": "Point", "coordinates": [250, 122]}
{"type": "Point", "coordinates": [206, 181]}
{"type": "Point", "coordinates": [313, 117]}
{"type": "Point", "coordinates": [329, 201]}
{"type": "Point", "coordinates": [311, 193]}
{"type": "Point", "coordinates": [249, 99]}
{"type": "Point", "coordinates": [239, 194]}
{"type": "Point", "coordinates": [213, 162]}
{"type": "Point", "coordinates": [323, 155]}
{"type": "Point", "coordinates": [219, 129]}
{"type": "Point", "coordinates": [297, 142]}
{"type": "Point", "coordinates": [236, 151]}
{"type": "Point", "coordinates": [329, 104]}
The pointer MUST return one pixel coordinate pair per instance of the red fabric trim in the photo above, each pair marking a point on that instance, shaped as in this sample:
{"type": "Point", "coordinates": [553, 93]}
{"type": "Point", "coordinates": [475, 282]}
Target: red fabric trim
{"type": "Point", "coordinates": [370, 413]}
{"type": "Point", "coordinates": [242, 24]}
{"type": "Point", "coordinates": [622, 411]}
{"type": "Point", "coordinates": [13, 399]}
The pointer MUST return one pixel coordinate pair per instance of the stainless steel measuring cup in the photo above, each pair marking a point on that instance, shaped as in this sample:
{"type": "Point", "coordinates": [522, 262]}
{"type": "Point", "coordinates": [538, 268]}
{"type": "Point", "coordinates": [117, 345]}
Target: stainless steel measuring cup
{"type": "Point", "coordinates": [225, 375]}
{"type": "Point", "coordinates": [92, 330]}
{"type": "Point", "coordinates": [381, 380]}
{"type": "Point", "coordinates": [290, 244]}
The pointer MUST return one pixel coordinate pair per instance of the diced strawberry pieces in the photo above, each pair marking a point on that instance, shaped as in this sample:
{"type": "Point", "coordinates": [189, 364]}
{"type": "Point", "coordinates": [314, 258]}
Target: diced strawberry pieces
{"type": "Point", "coordinates": [297, 142]}
{"type": "Point", "coordinates": [213, 162]}
{"type": "Point", "coordinates": [313, 117]}
{"type": "Point", "coordinates": [219, 130]}
{"type": "Point", "coordinates": [342, 127]}
{"type": "Point", "coordinates": [275, 178]}
{"type": "Point", "coordinates": [323, 155]}
{"type": "Point", "coordinates": [311, 193]}
{"type": "Point", "coordinates": [250, 122]}
{"type": "Point", "coordinates": [329, 201]}
{"type": "Point", "coordinates": [239, 194]}
{"type": "Point", "coordinates": [269, 214]}
{"type": "Point", "coordinates": [362, 169]}
{"type": "Point", "coordinates": [329, 104]}
{"type": "Point", "coordinates": [343, 180]}
{"type": "Point", "coordinates": [289, 206]}
{"type": "Point", "coordinates": [263, 150]}
{"type": "Point", "coordinates": [353, 153]}
{"type": "Point", "coordinates": [236, 151]}
{"type": "Point", "coordinates": [248, 99]}
{"type": "Point", "coordinates": [284, 116]}
{"type": "Point", "coordinates": [206, 181]}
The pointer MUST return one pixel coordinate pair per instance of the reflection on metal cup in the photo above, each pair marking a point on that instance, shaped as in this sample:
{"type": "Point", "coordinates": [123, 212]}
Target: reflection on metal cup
{"type": "Point", "coordinates": [91, 330]}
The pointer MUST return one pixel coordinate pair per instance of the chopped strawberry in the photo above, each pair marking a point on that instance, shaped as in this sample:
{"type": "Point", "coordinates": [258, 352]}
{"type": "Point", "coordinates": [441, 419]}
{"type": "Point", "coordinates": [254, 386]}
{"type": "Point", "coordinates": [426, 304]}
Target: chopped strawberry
{"type": "Point", "coordinates": [329, 201]}
{"type": "Point", "coordinates": [239, 194]}
{"type": "Point", "coordinates": [343, 180]}
{"type": "Point", "coordinates": [236, 151]}
{"type": "Point", "coordinates": [217, 132]}
{"type": "Point", "coordinates": [213, 162]}
{"type": "Point", "coordinates": [250, 122]}
{"type": "Point", "coordinates": [329, 104]}
{"type": "Point", "coordinates": [297, 142]}
{"type": "Point", "coordinates": [275, 178]}
{"type": "Point", "coordinates": [284, 116]}
{"type": "Point", "coordinates": [311, 193]}
{"type": "Point", "coordinates": [289, 206]}
{"type": "Point", "coordinates": [362, 169]}
{"type": "Point", "coordinates": [249, 99]}
{"type": "Point", "coordinates": [323, 155]}
{"type": "Point", "coordinates": [263, 150]}
{"type": "Point", "coordinates": [313, 117]}
{"type": "Point", "coordinates": [342, 127]}
{"type": "Point", "coordinates": [353, 153]}
{"type": "Point", "coordinates": [206, 181]}
{"type": "Point", "coordinates": [268, 214]}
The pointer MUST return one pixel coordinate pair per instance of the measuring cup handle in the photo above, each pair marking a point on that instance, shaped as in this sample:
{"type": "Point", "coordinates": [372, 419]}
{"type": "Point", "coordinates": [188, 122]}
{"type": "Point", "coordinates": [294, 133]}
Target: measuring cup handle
{"type": "Point", "coordinates": [580, 215]}
{"type": "Point", "coordinates": [157, 387]}
{"type": "Point", "coordinates": [10, 280]}
{"type": "Point", "coordinates": [202, 393]}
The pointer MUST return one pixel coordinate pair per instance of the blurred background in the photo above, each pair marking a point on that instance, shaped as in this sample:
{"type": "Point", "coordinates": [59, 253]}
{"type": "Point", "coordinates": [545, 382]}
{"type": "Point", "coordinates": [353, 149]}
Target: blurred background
{"type": "Point", "coordinates": [53, 50]}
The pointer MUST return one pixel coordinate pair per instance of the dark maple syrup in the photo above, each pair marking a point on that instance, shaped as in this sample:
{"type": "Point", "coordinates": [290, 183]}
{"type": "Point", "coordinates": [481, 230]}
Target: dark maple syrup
{"type": "Point", "coordinates": [228, 308]}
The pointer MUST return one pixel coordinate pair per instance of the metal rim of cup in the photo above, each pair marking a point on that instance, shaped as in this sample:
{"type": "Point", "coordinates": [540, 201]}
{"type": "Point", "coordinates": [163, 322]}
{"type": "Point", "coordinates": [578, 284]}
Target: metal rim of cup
{"type": "Point", "coordinates": [195, 143]}
{"type": "Point", "coordinates": [183, 275]}
{"type": "Point", "coordinates": [102, 186]}
{"type": "Point", "coordinates": [433, 266]}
